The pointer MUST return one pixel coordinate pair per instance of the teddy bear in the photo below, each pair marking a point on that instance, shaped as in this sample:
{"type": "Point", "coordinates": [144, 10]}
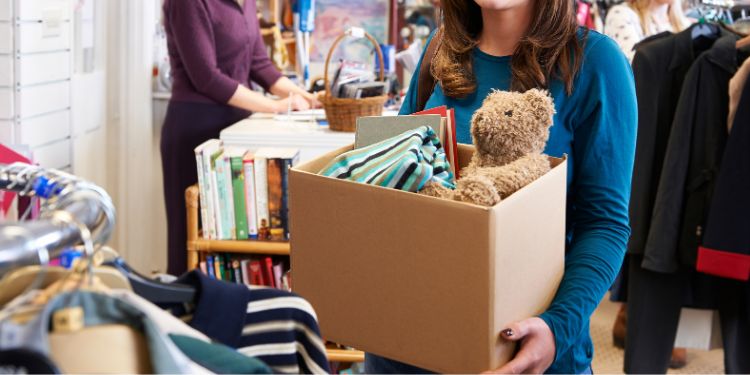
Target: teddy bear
{"type": "Point", "coordinates": [509, 131]}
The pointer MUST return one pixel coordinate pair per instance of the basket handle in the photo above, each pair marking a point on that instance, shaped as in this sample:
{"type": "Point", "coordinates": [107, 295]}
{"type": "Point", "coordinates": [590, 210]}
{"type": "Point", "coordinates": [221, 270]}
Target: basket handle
{"type": "Point", "coordinates": [356, 32]}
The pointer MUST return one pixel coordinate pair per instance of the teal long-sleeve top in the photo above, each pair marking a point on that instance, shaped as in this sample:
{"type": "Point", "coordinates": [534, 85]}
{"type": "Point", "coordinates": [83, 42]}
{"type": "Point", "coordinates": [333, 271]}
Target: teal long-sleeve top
{"type": "Point", "coordinates": [595, 127]}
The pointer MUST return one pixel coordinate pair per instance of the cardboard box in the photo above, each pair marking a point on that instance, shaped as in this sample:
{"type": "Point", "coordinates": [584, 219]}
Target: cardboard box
{"type": "Point", "coordinates": [423, 280]}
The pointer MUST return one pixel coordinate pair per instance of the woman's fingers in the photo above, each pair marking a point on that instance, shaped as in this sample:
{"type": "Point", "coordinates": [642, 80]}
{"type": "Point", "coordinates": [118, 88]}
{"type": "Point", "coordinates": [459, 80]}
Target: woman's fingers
{"type": "Point", "coordinates": [517, 330]}
{"type": "Point", "coordinates": [521, 364]}
{"type": "Point", "coordinates": [299, 103]}
{"type": "Point", "coordinates": [537, 349]}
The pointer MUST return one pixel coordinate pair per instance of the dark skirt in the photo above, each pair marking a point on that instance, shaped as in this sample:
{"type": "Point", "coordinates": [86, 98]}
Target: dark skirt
{"type": "Point", "coordinates": [186, 126]}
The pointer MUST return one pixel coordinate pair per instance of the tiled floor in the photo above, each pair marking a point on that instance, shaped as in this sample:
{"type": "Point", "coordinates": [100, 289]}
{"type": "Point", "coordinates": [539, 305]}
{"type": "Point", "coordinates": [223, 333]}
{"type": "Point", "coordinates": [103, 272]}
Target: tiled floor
{"type": "Point", "coordinates": [608, 359]}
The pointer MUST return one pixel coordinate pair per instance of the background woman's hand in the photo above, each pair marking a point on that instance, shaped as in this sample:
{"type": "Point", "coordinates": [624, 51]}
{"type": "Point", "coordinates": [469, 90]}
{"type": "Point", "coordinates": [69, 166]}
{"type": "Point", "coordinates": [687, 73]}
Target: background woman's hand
{"type": "Point", "coordinates": [293, 102]}
{"type": "Point", "coordinates": [537, 351]}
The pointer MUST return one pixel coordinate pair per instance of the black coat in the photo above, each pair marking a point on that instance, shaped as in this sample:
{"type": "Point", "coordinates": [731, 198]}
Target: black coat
{"type": "Point", "coordinates": [726, 244]}
{"type": "Point", "coordinates": [660, 65]}
{"type": "Point", "coordinates": [693, 157]}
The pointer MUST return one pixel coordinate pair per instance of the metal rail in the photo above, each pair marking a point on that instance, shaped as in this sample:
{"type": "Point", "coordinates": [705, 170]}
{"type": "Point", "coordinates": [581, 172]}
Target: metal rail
{"type": "Point", "coordinates": [69, 206]}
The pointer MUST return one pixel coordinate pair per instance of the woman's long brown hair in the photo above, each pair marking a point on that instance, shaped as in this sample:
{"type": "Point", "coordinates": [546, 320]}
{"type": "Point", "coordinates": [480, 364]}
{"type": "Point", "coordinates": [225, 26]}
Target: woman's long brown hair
{"type": "Point", "coordinates": [550, 48]}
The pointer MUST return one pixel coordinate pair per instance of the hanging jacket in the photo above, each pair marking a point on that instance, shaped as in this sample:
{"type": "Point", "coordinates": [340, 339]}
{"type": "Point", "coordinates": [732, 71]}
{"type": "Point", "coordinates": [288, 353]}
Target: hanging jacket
{"type": "Point", "coordinates": [660, 65]}
{"type": "Point", "coordinates": [696, 144]}
{"type": "Point", "coordinates": [726, 245]}
{"type": "Point", "coordinates": [98, 309]}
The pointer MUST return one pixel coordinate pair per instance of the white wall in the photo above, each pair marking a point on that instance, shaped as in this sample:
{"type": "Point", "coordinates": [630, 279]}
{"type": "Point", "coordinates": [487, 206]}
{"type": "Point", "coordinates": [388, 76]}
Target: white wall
{"type": "Point", "coordinates": [134, 175]}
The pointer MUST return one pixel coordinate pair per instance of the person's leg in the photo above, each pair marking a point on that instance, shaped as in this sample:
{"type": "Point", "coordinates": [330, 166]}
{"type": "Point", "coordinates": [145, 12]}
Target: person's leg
{"type": "Point", "coordinates": [734, 314]}
{"type": "Point", "coordinates": [375, 364]}
{"type": "Point", "coordinates": [654, 305]}
{"type": "Point", "coordinates": [186, 126]}
{"type": "Point", "coordinates": [179, 172]}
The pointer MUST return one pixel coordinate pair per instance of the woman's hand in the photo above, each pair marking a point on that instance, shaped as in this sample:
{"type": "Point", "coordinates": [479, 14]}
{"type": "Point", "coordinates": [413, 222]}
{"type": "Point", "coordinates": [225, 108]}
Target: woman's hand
{"type": "Point", "coordinates": [314, 99]}
{"type": "Point", "coordinates": [293, 102]}
{"type": "Point", "coordinates": [537, 350]}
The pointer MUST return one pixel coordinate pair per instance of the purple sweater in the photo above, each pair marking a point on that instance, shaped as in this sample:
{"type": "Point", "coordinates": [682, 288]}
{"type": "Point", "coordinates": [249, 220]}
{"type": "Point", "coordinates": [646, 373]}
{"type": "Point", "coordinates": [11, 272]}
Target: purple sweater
{"type": "Point", "coordinates": [215, 45]}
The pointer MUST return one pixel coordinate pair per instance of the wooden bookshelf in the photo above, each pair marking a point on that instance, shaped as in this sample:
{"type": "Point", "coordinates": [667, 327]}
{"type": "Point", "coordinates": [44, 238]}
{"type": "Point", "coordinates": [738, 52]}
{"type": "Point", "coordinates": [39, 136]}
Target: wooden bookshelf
{"type": "Point", "coordinates": [197, 245]}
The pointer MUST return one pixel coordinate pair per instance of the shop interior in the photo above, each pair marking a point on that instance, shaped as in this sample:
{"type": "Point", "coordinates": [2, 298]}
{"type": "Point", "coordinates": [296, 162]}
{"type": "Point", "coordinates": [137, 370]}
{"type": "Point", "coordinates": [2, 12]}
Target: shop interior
{"type": "Point", "coordinates": [85, 93]}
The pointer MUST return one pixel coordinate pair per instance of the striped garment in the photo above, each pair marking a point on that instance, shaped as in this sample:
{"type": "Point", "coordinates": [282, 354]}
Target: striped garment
{"type": "Point", "coordinates": [274, 326]}
{"type": "Point", "coordinates": [405, 162]}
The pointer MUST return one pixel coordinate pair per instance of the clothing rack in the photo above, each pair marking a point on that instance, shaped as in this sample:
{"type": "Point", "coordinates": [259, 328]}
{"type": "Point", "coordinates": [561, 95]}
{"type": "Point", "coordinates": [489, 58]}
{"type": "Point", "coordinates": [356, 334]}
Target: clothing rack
{"type": "Point", "coordinates": [72, 211]}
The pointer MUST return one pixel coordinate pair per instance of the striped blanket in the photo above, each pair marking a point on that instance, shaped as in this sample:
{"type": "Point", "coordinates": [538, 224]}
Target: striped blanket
{"type": "Point", "coordinates": [405, 162]}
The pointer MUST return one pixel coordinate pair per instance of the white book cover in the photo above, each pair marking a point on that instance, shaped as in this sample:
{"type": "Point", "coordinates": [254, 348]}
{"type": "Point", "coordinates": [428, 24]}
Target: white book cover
{"type": "Point", "coordinates": [244, 269]}
{"type": "Point", "coordinates": [202, 192]}
{"type": "Point", "coordinates": [226, 209]}
{"type": "Point", "coordinates": [278, 272]}
{"type": "Point", "coordinates": [248, 163]}
{"type": "Point", "coordinates": [207, 149]}
{"type": "Point", "coordinates": [230, 191]}
{"type": "Point", "coordinates": [215, 193]}
{"type": "Point", "coordinates": [261, 190]}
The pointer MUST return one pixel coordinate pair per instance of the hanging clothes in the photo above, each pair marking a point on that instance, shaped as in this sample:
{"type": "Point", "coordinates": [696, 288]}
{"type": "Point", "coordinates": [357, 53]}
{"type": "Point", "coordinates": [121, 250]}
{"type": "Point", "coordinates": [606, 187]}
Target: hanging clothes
{"type": "Point", "coordinates": [164, 334]}
{"type": "Point", "coordinates": [659, 66]}
{"type": "Point", "coordinates": [696, 144]}
{"type": "Point", "coordinates": [726, 245]}
{"type": "Point", "coordinates": [213, 356]}
{"type": "Point", "coordinates": [275, 326]}
{"type": "Point", "coordinates": [662, 278]}
{"type": "Point", "coordinates": [98, 309]}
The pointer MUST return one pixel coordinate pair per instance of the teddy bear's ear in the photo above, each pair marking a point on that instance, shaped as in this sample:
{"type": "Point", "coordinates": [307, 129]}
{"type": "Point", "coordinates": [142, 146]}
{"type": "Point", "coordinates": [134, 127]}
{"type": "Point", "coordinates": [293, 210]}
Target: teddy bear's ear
{"type": "Point", "coordinates": [541, 103]}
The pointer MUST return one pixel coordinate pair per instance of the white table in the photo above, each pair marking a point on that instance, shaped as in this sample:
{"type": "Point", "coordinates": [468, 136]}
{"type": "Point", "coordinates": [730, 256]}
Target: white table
{"type": "Point", "coordinates": [264, 130]}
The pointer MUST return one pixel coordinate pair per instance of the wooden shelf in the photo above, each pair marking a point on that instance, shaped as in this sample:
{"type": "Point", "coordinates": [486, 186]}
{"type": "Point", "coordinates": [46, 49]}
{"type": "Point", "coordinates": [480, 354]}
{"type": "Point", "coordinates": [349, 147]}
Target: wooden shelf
{"type": "Point", "coordinates": [343, 355]}
{"type": "Point", "coordinates": [245, 247]}
{"type": "Point", "coordinates": [266, 32]}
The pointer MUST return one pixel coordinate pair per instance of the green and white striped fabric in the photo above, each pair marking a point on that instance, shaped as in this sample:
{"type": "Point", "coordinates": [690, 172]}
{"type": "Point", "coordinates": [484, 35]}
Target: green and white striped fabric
{"type": "Point", "coordinates": [405, 162]}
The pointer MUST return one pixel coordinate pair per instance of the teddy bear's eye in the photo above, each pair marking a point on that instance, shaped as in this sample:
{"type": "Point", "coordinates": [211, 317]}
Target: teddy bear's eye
{"type": "Point", "coordinates": [509, 113]}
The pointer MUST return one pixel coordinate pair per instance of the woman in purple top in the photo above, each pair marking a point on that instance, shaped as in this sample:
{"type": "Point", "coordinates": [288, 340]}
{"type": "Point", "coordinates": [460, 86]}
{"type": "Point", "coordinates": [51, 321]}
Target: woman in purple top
{"type": "Point", "coordinates": [215, 49]}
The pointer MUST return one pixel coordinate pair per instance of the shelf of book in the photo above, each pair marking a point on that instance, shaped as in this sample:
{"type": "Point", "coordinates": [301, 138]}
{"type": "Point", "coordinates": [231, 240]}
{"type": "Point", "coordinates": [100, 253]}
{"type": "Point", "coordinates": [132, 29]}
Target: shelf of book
{"type": "Point", "coordinates": [197, 245]}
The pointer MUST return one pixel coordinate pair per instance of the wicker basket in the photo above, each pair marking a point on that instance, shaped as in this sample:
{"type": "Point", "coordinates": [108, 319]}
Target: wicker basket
{"type": "Point", "coordinates": [342, 113]}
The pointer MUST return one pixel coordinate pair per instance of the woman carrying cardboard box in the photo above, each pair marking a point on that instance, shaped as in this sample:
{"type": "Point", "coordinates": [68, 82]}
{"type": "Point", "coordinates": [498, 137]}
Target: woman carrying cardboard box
{"type": "Point", "coordinates": [521, 44]}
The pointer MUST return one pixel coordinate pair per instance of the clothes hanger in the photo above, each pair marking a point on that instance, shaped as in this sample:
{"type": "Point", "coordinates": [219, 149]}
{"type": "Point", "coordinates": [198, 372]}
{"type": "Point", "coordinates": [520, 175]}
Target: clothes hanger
{"type": "Point", "coordinates": [153, 291]}
{"type": "Point", "coordinates": [704, 29]}
{"type": "Point", "coordinates": [81, 276]}
{"type": "Point", "coordinates": [17, 282]}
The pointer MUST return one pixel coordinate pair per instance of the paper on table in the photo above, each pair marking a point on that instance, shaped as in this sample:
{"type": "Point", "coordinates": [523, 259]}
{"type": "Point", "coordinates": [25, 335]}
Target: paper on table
{"type": "Point", "coordinates": [307, 115]}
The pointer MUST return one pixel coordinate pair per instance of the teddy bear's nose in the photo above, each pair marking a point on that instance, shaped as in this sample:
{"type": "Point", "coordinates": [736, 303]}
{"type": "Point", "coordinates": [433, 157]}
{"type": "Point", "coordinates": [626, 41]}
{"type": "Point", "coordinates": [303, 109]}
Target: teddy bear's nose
{"type": "Point", "coordinates": [509, 113]}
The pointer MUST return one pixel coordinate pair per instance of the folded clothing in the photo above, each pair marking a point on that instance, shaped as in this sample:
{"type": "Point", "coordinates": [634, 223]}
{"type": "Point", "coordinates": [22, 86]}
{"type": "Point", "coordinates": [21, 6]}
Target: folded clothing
{"type": "Point", "coordinates": [406, 162]}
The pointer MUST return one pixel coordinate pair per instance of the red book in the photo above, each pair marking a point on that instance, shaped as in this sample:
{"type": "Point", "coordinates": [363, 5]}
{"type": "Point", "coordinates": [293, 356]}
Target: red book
{"type": "Point", "coordinates": [256, 274]}
{"type": "Point", "coordinates": [451, 144]}
{"type": "Point", "coordinates": [268, 273]}
{"type": "Point", "coordinates": [454, 140]}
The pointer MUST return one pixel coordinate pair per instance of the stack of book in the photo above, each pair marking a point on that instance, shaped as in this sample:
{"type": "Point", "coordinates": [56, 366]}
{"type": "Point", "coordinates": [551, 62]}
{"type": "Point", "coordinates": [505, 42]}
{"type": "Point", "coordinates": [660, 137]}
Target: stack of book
{"type": "Point", "coordinates": [355, 80]}
{"type": "Point", "coordinates": [243, 194]}
{"type": "Point", "coordinates": [260, 270]}
{"type": "Point", "coordinates": [373, 129]}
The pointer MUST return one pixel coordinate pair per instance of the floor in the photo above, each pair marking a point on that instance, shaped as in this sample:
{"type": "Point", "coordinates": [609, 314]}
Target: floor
{"type": "Point", "coordinates": [608, 359]}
